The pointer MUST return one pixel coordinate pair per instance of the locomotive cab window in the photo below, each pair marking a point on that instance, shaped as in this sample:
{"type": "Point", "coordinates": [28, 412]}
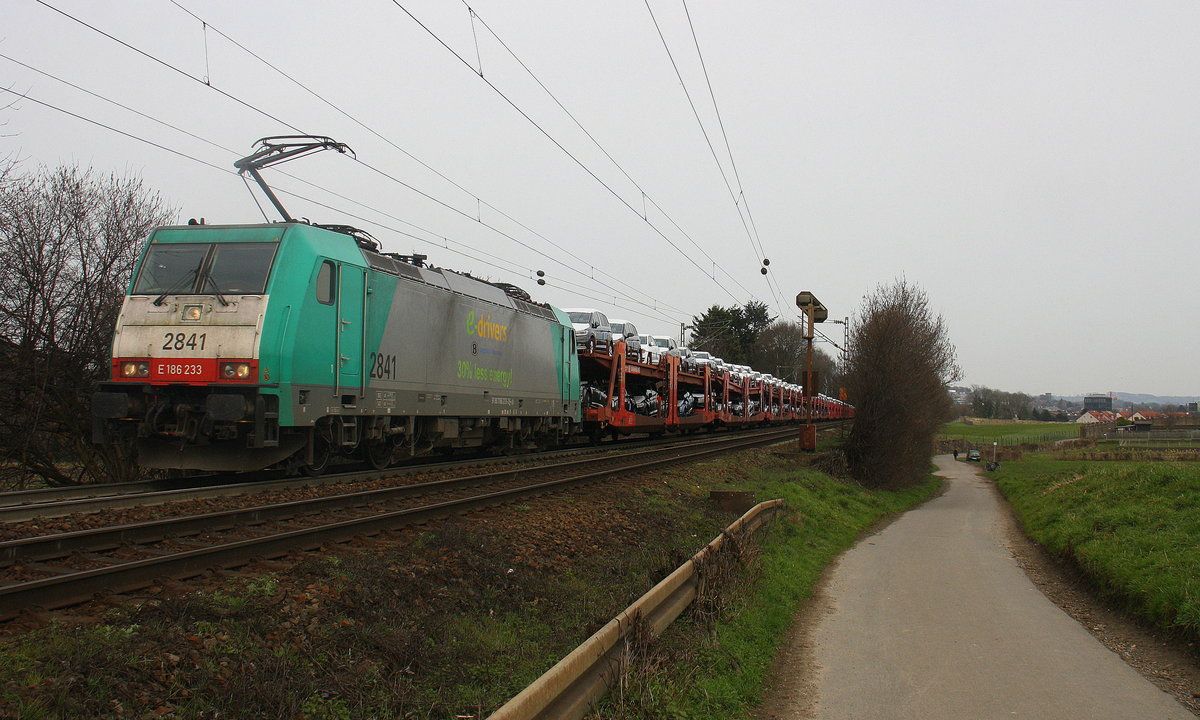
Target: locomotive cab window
{"type": "Point", "coordinates": [240, 268]}
{"type": "Point", "coordinates": [325, 283]}
{"type": "Point", "coordinates": [199, 268]}
{"type": "Point", "coordinates": [170, 269]}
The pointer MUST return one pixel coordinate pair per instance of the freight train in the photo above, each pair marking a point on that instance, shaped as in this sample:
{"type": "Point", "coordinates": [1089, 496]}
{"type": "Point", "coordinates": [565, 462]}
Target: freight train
{"type": "Point", "coordinates": [242, 347]}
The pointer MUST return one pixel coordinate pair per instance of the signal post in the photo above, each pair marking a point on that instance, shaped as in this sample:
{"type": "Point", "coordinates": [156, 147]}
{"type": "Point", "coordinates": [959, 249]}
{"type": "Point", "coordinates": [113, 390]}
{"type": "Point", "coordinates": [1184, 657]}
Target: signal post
{"type": "Point", "coordinates": [814, 312]}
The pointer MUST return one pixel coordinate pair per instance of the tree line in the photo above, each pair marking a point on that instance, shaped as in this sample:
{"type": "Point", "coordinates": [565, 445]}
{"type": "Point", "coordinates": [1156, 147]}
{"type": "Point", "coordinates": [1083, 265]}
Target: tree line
{"type": "Point", "coordinates": [990, 403]}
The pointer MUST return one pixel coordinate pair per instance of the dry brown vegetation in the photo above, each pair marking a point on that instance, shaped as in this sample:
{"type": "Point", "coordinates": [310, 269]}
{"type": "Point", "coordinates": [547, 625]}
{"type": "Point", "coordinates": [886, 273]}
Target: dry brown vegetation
{"type": "Point", "coordinates": [68, 242]}
{"type": "Point", "coordinates": [899, 362]}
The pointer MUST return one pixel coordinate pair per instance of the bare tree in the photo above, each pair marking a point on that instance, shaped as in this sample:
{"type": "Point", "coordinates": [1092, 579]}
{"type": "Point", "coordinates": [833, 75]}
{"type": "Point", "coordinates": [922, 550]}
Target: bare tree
{"type": "Point", "coordinates": [899, 363]}
{"type": "Point", "coordinates": [68, 242]}
{"type": "Point", "coordinates": [782, 351]}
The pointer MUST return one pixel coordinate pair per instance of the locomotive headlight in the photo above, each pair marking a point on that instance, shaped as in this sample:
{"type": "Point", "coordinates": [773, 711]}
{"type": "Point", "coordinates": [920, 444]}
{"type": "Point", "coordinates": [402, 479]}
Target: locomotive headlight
{"type": "Point", "coordinates": [191, 313]}
{"type": "Point", "coordinates": [235, 371]}
{"type": "Point", "coordinates": [135, 369]}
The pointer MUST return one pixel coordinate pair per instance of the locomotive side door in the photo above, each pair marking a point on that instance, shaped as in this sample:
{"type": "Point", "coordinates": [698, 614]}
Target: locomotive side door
{"type": "Point", "coordinates": [566, 349]}
{"type": "Point", "coordinates": [351, 330]}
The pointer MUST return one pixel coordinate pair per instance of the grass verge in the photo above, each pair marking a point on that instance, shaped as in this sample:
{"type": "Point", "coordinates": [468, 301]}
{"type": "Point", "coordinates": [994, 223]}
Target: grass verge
{"type": "Point", "coordinates": [1131, 527]}
{"type": "Point", "coordinates": [717, 669]}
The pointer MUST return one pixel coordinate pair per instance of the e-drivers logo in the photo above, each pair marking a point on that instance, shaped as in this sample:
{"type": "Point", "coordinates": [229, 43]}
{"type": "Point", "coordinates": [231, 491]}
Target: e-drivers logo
{"type": "Point", "coordinates": [481, 325]}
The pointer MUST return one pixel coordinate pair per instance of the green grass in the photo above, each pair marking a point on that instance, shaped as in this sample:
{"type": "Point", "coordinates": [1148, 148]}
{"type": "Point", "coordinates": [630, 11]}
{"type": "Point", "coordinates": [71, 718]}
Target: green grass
{"type": "Point", "coordinates": [1010, 434]}
{"type": "Point", "coordinates": [720, 671]}
{"type": "Point", "coordinates": [1133, 528]}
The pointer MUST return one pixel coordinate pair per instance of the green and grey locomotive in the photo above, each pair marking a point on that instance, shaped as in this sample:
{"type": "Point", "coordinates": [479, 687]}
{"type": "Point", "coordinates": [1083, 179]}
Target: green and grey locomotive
{"type": "Point", "coordinates": [241, 347]}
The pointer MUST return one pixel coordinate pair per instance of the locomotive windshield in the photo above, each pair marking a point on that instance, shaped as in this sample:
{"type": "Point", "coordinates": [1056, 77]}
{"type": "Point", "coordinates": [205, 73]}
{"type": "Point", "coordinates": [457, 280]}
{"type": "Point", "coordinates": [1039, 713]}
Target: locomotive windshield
{"type": "Point", "coordinates": [241, 268]}
{"type": "Point", "coordinates": [191, 268]}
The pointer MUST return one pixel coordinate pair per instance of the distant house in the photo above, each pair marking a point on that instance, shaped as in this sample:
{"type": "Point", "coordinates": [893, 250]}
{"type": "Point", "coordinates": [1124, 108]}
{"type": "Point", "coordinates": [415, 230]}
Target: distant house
{"type": "Point", "coordinates": [1145, 415]}
{"type": "Point", "coordinates": [1095, 416]}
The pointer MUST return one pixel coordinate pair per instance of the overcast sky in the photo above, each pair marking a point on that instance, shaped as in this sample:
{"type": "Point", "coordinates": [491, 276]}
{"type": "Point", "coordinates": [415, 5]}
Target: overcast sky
{"type": "Point", "coordinates": [1033, 166]}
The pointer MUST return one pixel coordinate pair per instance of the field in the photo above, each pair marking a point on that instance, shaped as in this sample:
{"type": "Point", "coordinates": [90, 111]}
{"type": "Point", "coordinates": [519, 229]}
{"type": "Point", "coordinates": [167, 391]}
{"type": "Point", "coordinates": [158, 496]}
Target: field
{"type": "Point", "coordinates": [1132, 527]}
{"type": "Point", "coordinates": [1014, 433]}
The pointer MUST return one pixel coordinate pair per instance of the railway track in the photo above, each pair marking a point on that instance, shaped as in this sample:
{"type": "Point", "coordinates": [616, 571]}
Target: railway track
{"type": "Point", "coordinates": [54, 571]}
{"type": "Point", "coordinates": [22, 505]}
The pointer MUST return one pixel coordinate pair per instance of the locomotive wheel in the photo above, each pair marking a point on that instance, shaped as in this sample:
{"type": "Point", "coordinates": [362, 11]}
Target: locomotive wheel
{"type": "Point", "coordinates": [379, 453]}
{"type": "Point", "coordinates": [322, 452]}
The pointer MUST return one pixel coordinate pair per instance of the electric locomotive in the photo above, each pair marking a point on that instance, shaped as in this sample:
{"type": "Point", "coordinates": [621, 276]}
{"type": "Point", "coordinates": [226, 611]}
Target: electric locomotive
{"type": "Point", "coordinates": [241, 347]}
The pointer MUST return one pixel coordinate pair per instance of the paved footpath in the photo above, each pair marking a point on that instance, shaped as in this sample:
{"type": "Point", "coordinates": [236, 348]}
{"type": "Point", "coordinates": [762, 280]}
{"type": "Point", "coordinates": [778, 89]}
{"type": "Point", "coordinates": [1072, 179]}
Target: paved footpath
{"type": "Point", "coordinates": [932, 619]}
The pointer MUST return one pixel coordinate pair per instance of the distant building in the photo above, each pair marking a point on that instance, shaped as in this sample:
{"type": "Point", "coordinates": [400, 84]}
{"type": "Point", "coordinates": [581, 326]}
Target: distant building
{"type": "Point", "coordinates": [959, 395]}
{"type": "Point", "coordinates": [1193, 408]}
{"type": "Point", "coordinates": [1096, 416]}
{"type": "Point", "coordinates": [1098, 402]}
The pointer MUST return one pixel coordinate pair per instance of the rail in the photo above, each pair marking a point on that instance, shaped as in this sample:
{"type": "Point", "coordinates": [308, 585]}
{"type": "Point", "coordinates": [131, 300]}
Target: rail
{"type": "Point", "coordinates": [69, 587]}
{"type": "Point", "coordinates": [567, 690]}
{"type": "Point", "coordinates": [22, 505]}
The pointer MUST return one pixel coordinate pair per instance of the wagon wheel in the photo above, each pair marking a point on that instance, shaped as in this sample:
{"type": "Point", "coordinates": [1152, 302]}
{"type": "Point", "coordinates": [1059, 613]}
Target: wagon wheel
{"type": "Point", "coordinates": [379, 453]}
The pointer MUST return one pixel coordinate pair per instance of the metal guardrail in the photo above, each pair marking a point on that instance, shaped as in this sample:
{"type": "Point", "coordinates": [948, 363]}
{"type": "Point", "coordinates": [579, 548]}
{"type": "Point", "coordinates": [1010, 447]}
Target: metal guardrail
{"type": "Point", "coordinates": [567, 690]}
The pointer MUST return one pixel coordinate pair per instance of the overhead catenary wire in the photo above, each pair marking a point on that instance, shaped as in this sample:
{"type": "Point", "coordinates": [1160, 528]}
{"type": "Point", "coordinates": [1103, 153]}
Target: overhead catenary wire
{"type": "Point", "coordinates": [445, 242]}
{"type": "Point", "coordinates": [523, 244]}
{"type": "Point", "coordinates": [721, 123]}
{"type": "Point", "coordinates": [168, 65]}
{"type": "Point", "coordinates": [645, 197]}
{"type": "Point", "coordinates": [206, 81]}
{"type": "Point", "coordinates": [208, 84]}
{"type": "Point", "coordinates": [583, 294]}
{"type": "Point", "coordinates": [250, 106]}
{"type": "Point", "coordinates": [235, 154]}
{"type": "Point", "coordinates": [703, 131]}
{"type": "Point", "coordinates": [745, 201]}
{"type": "Point", "coordinates": [478, 200]}
{"type": "Point", "coordinates": [284, 191]}
{"type": "Point", "coordinates": [759, 252]}
{"type": "Point", "coordinates": [300, 131]}
{"type": "Point", "coordinates": [569, 154]}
